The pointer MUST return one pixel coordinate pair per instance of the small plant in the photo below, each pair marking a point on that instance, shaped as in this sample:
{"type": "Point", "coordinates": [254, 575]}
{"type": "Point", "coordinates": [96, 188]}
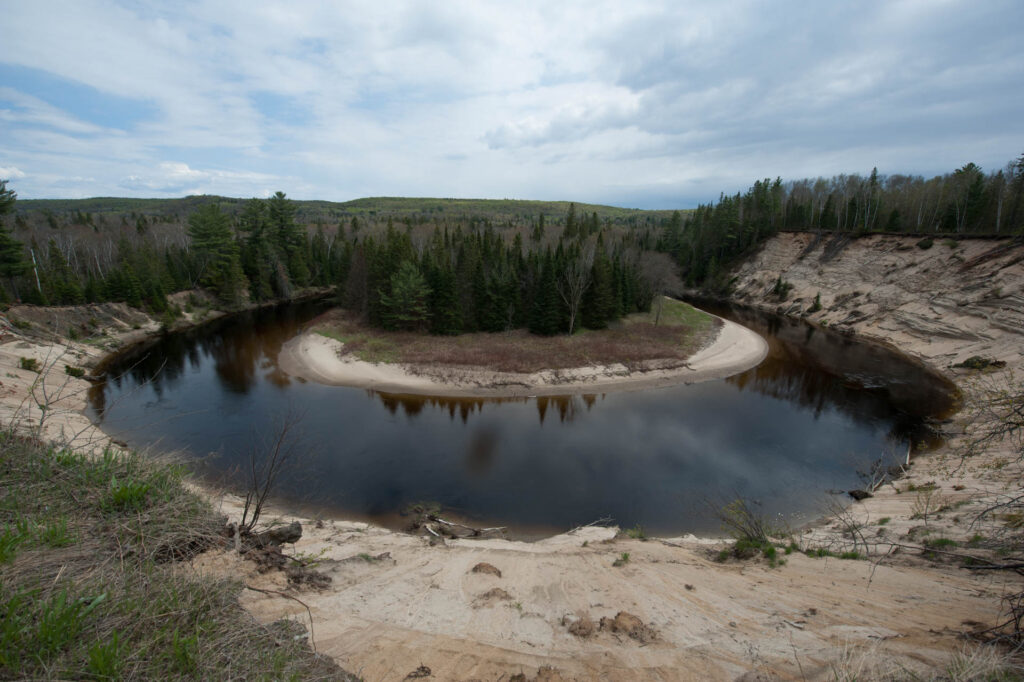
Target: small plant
{"type": "Point", "coordinates": [54, 533]}
{"type": "Point", "coordinates": [925, 503]}
{"type": "Point", "coordinates": [183, 653]}
{"type": "Point", "coordinates": [76, 372]}
{"type": "Point", "coordinates": [130, 495]}
{"type": "Point", "coordinates": [936, 543]}
{"type": "Point", "coordinates": [978, 362]}
{"type": "Point", "coordinates": [816, 306]}
{"type": "Point", "coordinates": [13, 536]}
{"type": "Point", "coordinates": [622, 560]}
{"type": "Point", "coordinates": [637, 532]}
{"type": "Point", "coordinates": [781, 289]}
{"type": "Point", "coordinates": [106, 659]}
{"type": "Point", "coordinates": [31, 364]}
{"type": "Point", "coordinates": [925, 243]}
{"type": "Point", "coordinates": [884, 520]}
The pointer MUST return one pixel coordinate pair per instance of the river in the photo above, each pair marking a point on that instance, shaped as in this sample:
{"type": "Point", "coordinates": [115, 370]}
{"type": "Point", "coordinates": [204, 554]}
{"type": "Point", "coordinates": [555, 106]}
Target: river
{"type": "Point", "coordinates": [817, 411]}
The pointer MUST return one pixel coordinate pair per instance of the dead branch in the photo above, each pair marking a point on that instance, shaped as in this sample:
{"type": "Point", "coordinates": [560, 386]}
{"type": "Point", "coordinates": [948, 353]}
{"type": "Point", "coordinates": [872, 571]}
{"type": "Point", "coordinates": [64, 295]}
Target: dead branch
{"type": "Point", "coordinates": [312, 638]}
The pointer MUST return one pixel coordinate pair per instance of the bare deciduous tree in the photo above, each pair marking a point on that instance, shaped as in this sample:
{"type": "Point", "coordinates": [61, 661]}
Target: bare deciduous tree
{"type": "Point", "coordinates": [266, 462]}
{"type": "Point", "coordinates": [574, 281]}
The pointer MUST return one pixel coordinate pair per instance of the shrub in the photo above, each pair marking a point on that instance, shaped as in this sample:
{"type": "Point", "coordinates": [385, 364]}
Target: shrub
{"type": "Point", "coordinates": [31, 364]}
{"type": "Point", "coordinates": [925, 243]}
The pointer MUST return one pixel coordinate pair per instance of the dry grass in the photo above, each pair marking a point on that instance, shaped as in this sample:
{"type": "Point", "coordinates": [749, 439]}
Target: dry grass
{"type": "Point", "coordinates": [90, 583]}
{"type": "Point", "coordinates": [636, 343]}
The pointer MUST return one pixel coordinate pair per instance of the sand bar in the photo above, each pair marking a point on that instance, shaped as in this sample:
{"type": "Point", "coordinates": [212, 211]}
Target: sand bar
{"type": "Point", "coordinates": [317, 358]}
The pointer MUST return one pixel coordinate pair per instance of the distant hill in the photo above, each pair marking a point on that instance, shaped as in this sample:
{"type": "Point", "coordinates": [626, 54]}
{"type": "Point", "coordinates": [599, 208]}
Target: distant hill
{"type": "Point", "coordinates": [331, 211]}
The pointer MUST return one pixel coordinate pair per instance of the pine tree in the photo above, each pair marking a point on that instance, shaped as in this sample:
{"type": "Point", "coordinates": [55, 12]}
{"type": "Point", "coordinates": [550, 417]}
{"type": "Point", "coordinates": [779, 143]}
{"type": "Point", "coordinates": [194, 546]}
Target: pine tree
{"type": "Point", "coordinates": [599, 300]}
{"type": "Point", "coordinates": [405, 307]}
{"type": "Point", "coordinates": [217, 253]}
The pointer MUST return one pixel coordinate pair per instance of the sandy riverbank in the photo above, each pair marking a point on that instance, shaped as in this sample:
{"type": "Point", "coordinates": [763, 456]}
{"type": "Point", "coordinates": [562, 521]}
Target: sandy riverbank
{"type": "Point", "coordinates": [318, 358]}
{"type": "Point", "coordinates": [397, 602]}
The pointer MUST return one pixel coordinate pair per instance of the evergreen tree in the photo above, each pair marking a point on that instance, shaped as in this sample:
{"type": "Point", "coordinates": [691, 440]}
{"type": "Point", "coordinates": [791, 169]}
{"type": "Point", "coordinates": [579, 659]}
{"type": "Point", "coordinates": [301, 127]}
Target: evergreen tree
{"type": "Point", "coordinates": [405, 307]}
{"type": "Point", "coordinates": [570, 223]}
{"type": "Point", "coordinates": [545, 315]}
{"type": "Point", "coordinates": [217, 253]}
{"type": "Point", "coordinates": [12, 251]}
{"type": "Point", "coordinates": [599, 305]}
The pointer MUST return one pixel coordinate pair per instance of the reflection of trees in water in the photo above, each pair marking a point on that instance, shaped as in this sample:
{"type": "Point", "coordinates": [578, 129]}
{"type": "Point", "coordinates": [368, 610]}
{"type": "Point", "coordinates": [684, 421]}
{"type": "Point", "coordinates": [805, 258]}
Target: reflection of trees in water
{"type": "Point", "coordinates": [240, 346]}
{"type": "Point", "coordinates": [822, 370]}
{"type": "Point", "coordinates": [567, 406]}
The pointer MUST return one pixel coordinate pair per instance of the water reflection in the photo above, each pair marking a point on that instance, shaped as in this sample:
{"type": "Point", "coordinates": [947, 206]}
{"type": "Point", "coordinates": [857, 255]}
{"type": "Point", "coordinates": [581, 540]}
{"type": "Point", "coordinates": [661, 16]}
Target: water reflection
{"type": "Point", "coordinates": [817, 367]}
{"type": "Point", "coordinates": [803, 422]}
{"type": "Point", "coordinates": [242, 348]}
{"type": "Point", "coordinates": [566, 406]}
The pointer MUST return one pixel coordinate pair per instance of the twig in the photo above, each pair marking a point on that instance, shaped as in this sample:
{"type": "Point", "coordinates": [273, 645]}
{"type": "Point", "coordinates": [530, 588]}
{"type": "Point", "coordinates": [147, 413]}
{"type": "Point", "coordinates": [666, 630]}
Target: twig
{"type": "Point", "coordinates": [312, 637]}
{"type": "Point", "coordinates": [599, 522]}
{"type": "Point", "coordinates": [791, 623]}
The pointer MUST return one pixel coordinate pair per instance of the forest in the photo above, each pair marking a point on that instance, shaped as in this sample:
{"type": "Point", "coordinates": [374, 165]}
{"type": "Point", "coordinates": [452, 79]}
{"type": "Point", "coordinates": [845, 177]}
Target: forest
{"type": "Point", "coordinates": [966, 202]}
{"type": "Point", "coordinates": [448, 266]}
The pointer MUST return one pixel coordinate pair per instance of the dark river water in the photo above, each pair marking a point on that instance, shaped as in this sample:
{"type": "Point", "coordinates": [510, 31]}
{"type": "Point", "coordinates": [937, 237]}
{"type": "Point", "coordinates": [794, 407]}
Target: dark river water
{"type": "Point", "coordinates": [819, 409]}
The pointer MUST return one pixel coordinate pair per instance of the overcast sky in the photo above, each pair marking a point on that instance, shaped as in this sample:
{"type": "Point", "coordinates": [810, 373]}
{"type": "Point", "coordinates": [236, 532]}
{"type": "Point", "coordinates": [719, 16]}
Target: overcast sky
{"type": "Point", "coordinates": [640, 104]}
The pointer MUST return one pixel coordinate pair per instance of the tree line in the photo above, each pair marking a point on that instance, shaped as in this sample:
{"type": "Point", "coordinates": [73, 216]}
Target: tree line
{"type": "Point", "coordinates": [449, 274]}
{"type": "Point", "coordinates": [965, 202]}
{"type": "Point", "coordinates": [471, 277]}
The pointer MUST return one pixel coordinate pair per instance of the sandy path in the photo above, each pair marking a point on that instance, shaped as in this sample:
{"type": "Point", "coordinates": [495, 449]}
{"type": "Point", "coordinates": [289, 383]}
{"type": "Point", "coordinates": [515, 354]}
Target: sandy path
{"type": "Point", "coordinates": [318, 358]}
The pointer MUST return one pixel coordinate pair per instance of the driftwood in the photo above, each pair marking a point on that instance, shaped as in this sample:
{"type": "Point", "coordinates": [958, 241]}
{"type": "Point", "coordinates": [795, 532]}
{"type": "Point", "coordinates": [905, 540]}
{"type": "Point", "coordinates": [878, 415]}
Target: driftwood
{"type": "Point", "coordinates": [452, 529]}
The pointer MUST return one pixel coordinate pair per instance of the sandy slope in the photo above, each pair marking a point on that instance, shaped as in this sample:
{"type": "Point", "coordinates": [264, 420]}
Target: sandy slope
{"type": "Point", "coordinates": [318, 358]}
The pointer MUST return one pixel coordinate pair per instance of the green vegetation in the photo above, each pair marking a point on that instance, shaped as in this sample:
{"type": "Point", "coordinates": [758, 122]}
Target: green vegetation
{"type": "Point", "coordinates": [636, 532]}
{"type": "Point", "coordinates": [88, 585]}
{"type": "Point", "coordinates": [753, 533]}
{"type": "Point", "coordinates": [963, 202]}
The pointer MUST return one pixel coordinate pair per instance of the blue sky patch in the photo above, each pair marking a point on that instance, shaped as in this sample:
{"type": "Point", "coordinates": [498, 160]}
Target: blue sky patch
{"type": "Point", "coordinates": [82, 101]}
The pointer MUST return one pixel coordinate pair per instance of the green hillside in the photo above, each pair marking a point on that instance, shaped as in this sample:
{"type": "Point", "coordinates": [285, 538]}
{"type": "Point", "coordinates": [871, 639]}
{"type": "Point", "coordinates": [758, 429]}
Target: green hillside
{"type": "Point", "coordinates": [330, 211]}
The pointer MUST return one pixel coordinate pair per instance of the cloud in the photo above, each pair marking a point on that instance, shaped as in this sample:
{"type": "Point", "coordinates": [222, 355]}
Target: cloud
{"type": "Point", "coordinates": [647, 104]}
{"type": "Point", "coordinates": [179, 178]}
{"type": "Point", "coordinates": [11, 173]}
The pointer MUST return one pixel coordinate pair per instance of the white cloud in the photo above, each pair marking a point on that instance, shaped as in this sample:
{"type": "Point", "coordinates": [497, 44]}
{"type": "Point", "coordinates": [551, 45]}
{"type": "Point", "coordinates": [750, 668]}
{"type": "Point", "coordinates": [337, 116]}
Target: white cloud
{"type": "Point", "coordinates": [11, 173]}
{"type": "Point", "coordinates": [590, 101]}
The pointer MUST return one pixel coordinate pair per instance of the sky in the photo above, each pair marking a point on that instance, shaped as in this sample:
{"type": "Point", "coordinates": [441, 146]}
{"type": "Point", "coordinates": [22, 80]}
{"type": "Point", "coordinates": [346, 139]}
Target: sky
{"type": "Point", "coordinates": [635, 103]}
